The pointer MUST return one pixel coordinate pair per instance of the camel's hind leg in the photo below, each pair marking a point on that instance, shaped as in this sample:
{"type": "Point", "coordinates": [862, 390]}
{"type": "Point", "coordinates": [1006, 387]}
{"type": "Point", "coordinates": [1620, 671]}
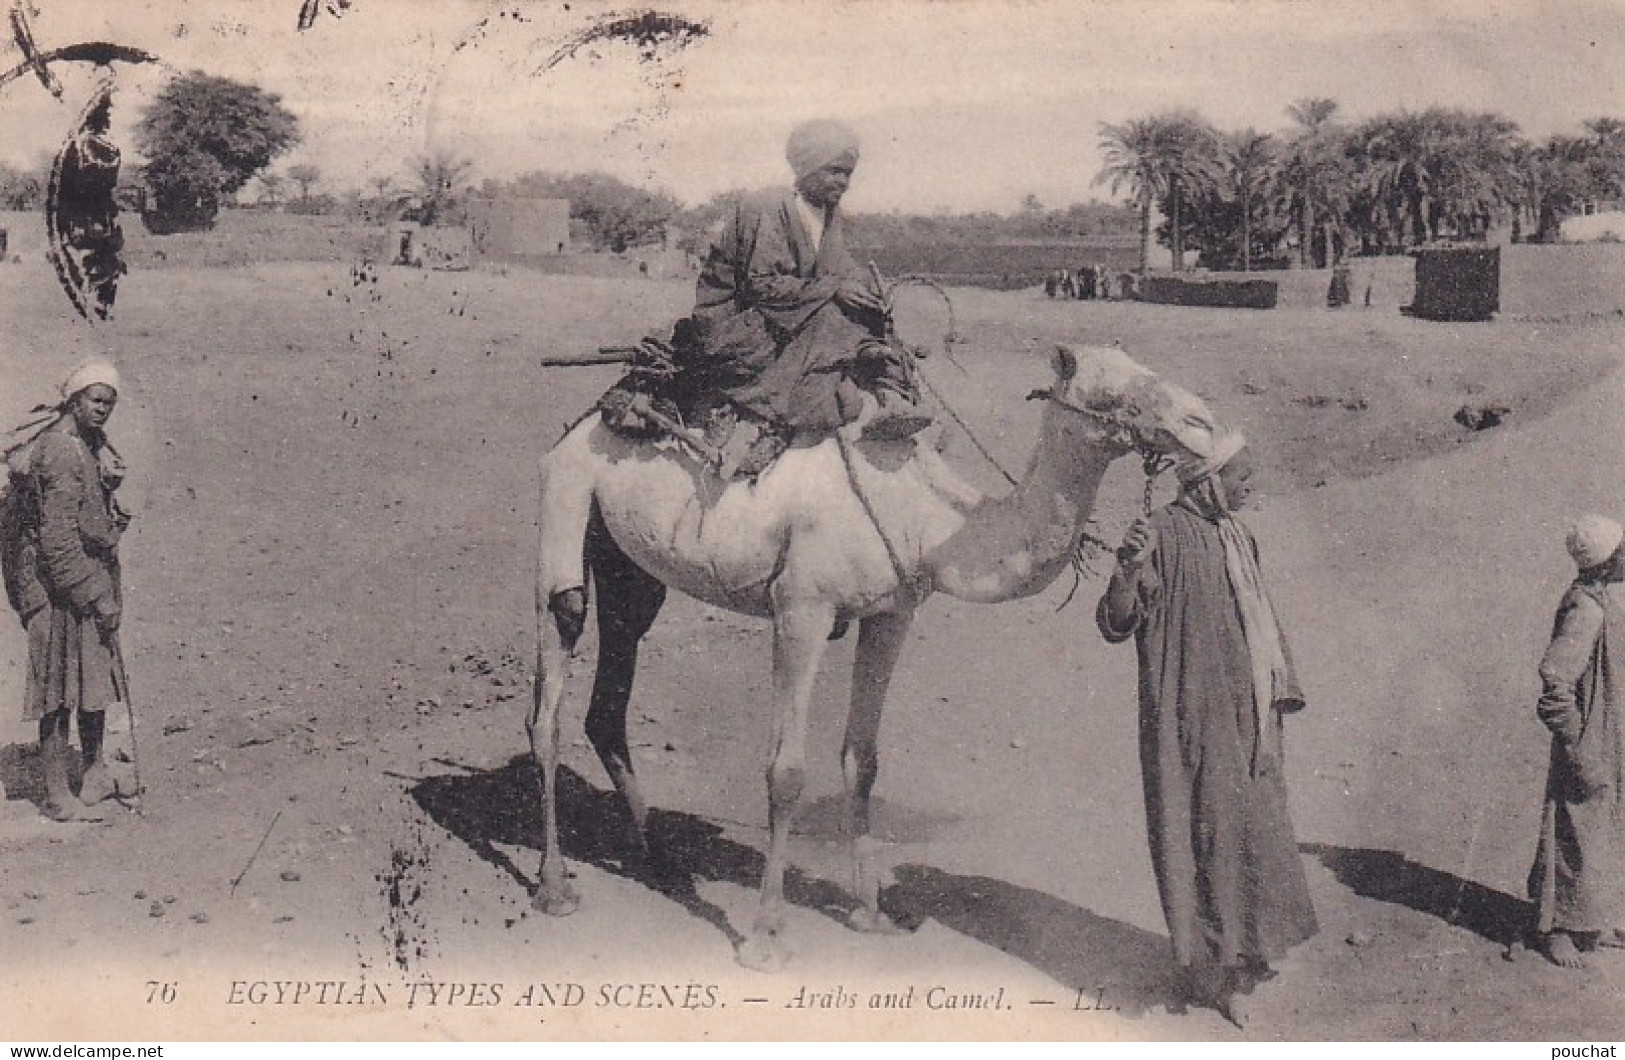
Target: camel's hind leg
{"type": "Point", "coordinates": [880, 643]}
{"type": "Point", "coordinates": [628, 598]}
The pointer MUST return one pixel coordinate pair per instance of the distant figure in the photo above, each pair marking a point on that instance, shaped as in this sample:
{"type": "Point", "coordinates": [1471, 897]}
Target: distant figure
{"type": "Point", "coordinates": [1216, 679]}
{"type": "Point", "coordinates": [1338, 293]}
{"type": "Point", "coordinates": [1576, 881]}
{"type": "Point", "coordinates": [1088, 282]}
{"type": "Point", "coordinates": [62, 578]}
{"type": "Point", "coordinates": [1052, 283]}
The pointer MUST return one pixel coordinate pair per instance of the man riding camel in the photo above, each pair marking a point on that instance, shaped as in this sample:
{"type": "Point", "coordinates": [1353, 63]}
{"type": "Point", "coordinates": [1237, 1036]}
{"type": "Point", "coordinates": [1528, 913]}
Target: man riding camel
{"type": "Point", "coordinates": [786, 325]}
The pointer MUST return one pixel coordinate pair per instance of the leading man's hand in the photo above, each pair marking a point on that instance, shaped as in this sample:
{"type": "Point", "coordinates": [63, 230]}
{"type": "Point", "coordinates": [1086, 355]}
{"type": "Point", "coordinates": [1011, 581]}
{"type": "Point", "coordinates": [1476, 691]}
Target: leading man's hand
{"type": "Point", "coordinates": [1138, 541]}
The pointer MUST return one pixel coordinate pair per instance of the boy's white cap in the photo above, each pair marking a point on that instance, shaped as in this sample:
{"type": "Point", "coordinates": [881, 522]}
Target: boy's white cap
{"type": "Point", "coordinates": [1593, 540]}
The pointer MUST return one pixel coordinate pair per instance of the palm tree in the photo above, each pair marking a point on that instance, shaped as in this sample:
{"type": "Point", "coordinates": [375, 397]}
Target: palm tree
{"type": "Point", "coordinates": [1609, 167]}
{"type": "Point", "coordinates": [1391, 154]}
{"type": "Point", "coordinates": [1133, 153]}
{"type": "Point", "coordinates": [1190, 163]}
{"type": "Point", "coordinates": [439, 176]}
{"type": "Point", "coordinates": [1249, 159]}
{"type": "Point", "coordinates": [1310, 153]}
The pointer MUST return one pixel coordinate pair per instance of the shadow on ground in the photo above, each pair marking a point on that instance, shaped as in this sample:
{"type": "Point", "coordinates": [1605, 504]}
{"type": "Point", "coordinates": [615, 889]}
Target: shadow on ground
{"type": "Point", "coordinates": [502, 806]}
{"type": "Point", "coordinates": [1112, 965]}
{"type": "Point", "coordinates": [1105, 963]}
{"type": "Point", "coordinates": [1389, 876]}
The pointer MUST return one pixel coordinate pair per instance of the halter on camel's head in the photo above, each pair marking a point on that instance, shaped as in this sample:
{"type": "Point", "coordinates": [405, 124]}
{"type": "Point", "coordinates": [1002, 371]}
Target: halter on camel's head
{"type": "Point", "coordinates": [1130, 407]}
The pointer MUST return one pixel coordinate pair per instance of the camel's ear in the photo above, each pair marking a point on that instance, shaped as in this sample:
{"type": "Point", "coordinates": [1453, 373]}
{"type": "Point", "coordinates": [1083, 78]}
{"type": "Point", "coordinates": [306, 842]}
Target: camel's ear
{"type": "Point", "coordinates": [1065, 362]}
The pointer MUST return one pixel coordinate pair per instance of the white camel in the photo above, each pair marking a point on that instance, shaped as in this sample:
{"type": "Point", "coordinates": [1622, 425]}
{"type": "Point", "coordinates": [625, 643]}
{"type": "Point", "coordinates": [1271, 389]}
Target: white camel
{"type": "Point", "coordinates": [835, 530]}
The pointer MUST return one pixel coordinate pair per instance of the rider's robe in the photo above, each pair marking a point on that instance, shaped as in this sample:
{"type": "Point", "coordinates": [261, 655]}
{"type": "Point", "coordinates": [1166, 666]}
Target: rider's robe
{"type": "Point", "coordinates": [767, 329]}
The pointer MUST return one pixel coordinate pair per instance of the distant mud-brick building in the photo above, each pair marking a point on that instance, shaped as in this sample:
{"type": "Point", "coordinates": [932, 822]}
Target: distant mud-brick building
{"type": "Point", "coordinates": [1456, 283]}
{"type": "Point", "coordinates": [518, 229]}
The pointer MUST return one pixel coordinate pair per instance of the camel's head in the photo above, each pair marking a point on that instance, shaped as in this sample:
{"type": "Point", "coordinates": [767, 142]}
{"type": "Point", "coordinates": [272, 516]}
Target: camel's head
{"type": "Point", "coordinates": [1132, 408]}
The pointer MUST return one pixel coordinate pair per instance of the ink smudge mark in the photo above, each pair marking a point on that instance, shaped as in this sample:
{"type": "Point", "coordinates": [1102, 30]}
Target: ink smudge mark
{"type": "Point", "coordinates": [652, 33]}
{"type": "Point", "coordinates": [23, 35]}
{"type": "Point", "coordinates": [312, 8]}
{"type": "Point", "coordinates": [81, 212]}
{"type": "Point", "coordinates": [100, 53]}
{"type": "Point", "coordinates": [405, 930]}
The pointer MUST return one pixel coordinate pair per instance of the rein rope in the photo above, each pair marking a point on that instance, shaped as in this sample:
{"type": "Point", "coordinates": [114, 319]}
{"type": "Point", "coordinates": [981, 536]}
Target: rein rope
{"type": "Point", "coordinates": [916, 354]}
{"type": "Point", "coordinates": [918, 585]}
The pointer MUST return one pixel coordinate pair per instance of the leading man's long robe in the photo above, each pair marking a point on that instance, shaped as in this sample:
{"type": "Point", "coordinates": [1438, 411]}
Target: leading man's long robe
{"type": "Point", "coordinates": [1222, 846]}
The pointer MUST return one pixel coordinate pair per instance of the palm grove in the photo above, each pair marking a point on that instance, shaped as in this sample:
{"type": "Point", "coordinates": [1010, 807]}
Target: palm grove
{"type": "Point", "coordinates": [1325, 188]}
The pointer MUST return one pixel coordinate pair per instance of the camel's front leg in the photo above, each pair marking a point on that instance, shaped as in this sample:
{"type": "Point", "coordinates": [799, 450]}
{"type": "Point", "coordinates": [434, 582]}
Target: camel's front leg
{"type": "Point", "coordinates": [561, 614]}
{"type": "Point", "coordinates": [800, 635]}
{"type": "Point", "coordinates": [880, 643]}
{"type": "Point", "coordinates": [554, 895]}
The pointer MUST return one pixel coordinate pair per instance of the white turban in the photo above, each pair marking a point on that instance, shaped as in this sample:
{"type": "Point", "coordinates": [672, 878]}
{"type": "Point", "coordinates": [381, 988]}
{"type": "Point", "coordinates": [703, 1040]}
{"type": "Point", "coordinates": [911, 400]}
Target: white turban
{"type": "Point", "coordinates": [819, 143]}
{"type": "Point", "coordinates": [1593, 540]}
{"type": "Point", "coordinates": [96, 370]}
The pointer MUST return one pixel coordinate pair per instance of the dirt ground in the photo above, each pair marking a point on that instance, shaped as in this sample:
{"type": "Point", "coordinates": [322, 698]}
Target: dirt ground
{"type": "Point", "coordinates": [329, 629]}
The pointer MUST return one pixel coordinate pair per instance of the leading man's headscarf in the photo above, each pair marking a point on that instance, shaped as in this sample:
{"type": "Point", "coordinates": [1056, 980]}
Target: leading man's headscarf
{"type": "Point", "coordinates": [821, 142]}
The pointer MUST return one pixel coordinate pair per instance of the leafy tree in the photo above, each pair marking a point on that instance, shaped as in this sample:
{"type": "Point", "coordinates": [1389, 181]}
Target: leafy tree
{"type": "Point", "coordinates": [614, 214]}
{"type": "Point", "coordinates": [205, 137]}
{"type": "Point", "coordinates": [271, 188]}
{"type": "Point", "coordinates": [19, 189]}
{"type": "Point", "coordinates": [306, 176]}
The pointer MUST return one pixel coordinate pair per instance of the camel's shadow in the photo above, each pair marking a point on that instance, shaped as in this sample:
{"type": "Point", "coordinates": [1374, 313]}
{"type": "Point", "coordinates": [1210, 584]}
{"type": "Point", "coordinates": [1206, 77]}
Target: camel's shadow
{"type": "Point", "coordinates": [1103, 963]}
{"type": "Point", "coordinates": [502, 806]}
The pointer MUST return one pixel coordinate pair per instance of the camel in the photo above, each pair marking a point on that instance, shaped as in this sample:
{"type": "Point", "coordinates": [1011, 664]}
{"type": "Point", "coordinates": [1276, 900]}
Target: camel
{"type": "Point", "coordinates": [837, 529]}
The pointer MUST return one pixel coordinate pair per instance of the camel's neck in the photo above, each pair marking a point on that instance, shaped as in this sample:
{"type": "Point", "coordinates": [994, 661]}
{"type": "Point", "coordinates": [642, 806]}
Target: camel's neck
{"type": "Point", "coordinates": [1016, 545]}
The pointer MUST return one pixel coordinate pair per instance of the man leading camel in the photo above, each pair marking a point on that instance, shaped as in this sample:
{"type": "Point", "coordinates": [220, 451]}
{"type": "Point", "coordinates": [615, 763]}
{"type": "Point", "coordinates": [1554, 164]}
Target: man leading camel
{"type": "Point", "coordinates": [786, 324]}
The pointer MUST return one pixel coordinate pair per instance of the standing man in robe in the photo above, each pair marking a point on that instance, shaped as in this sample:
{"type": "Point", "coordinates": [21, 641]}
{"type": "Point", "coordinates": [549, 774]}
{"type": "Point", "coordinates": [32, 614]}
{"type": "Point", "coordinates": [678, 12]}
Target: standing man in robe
{"type": "Point", "coordinates": [1216, 679]}
{"type": "Point", "coordinates": [1575, 882]}
{"type": "Point", "coordinates": [62, 578]}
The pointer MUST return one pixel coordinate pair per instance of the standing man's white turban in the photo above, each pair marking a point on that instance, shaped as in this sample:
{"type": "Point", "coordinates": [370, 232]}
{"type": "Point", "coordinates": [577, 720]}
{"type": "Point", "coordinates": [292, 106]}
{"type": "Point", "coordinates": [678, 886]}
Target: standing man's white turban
{"type": "Point", "coordinates": [96, 370]}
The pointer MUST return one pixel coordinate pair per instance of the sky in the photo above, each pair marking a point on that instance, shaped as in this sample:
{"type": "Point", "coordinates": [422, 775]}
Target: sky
{"type": "Point", "coordinates": [962, 105]}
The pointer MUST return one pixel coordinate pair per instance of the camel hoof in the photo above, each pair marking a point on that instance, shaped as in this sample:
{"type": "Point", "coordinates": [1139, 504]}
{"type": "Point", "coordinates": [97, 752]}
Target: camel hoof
{"type": "Point", "coordinates": [763, 953]}
{"type": "Point", "coordinates": [556, 901]}
{"type": "Point", "coordinates": [873, 922]}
